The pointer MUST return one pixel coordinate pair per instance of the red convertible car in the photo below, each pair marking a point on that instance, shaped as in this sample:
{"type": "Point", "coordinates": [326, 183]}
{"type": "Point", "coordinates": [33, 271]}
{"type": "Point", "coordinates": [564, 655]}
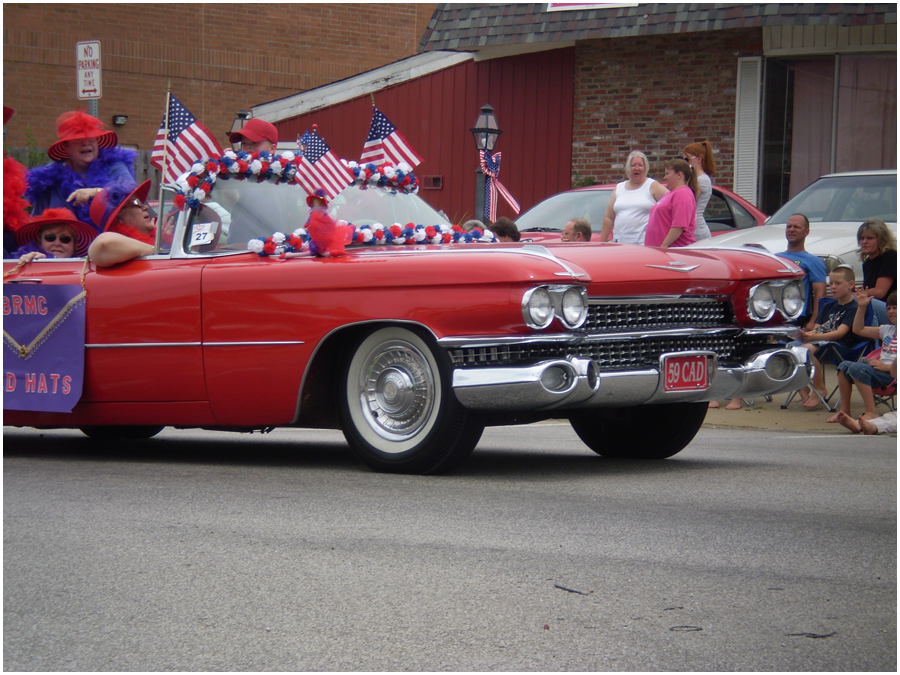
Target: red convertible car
{"type": "Point", "coordinates": [410, 347]}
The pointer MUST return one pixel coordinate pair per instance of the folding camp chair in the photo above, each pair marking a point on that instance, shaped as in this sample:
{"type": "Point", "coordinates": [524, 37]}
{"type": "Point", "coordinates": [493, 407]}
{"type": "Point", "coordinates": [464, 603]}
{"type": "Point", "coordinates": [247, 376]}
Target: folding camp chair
{"type": "Point", "coordinates": [829, 353]}
{"type": "Point", "coordinates": [884, 395]}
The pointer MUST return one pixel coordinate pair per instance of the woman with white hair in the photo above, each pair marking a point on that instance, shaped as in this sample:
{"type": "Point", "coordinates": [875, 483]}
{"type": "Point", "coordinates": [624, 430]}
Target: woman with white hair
{"type": "Point", "coordinates": [629, 207]}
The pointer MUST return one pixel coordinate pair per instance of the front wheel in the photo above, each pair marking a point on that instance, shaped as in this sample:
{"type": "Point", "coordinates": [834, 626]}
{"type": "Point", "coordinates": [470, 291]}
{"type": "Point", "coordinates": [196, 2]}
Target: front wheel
{"type": "Point", "coordinates": [398, 409]}
{"type": "Point", "coordinates": [640, 432]}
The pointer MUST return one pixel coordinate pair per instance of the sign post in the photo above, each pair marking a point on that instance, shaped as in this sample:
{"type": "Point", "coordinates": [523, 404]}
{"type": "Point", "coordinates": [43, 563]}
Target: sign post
{"type": "Point", "coordinates": [88, 82]}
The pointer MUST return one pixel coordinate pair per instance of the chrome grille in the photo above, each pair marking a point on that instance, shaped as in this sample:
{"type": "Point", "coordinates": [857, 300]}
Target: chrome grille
{"type": "Point", "coordinates": [618, 317]}
{"type": "Point", "coordinates": [614, 355]}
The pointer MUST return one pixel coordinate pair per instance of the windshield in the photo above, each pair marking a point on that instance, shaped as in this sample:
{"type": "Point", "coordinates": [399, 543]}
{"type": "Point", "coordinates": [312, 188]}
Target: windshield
{"type": "Point", "coordinates": [555, 212]}
{"type": "Point", "coordinates": [238, 211]}
{"type": "Point", "coordinates": [849, 199]}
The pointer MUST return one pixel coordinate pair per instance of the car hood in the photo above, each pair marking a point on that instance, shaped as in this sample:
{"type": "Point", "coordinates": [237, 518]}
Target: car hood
{"type": "Point", "coordinates": [824, 239]}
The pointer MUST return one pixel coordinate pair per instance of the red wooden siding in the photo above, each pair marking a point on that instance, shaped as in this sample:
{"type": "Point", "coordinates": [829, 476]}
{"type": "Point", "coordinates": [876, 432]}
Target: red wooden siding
{"type": "Point", "coordinates": [532, 96]}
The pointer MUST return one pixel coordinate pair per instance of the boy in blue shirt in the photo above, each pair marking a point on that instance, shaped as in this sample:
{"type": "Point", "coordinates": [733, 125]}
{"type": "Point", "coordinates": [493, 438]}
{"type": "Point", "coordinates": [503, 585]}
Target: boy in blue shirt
{"type": "Point", "coordinates": [835, 327]}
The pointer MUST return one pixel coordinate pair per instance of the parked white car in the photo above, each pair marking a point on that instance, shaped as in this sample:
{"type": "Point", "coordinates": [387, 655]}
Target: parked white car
{"type": "Point", "coordinates": [836, 206]}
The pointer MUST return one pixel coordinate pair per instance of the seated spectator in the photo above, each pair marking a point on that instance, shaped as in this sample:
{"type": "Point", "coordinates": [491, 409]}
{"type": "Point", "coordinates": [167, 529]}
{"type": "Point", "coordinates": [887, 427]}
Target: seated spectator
{"type": "Point", "coordinates": [255, 136]}
{"type": "Point", "coordinates": [875, 372]}
{"type": "Point", "coordinates": [835, 327]}
{"type": "Point", "coordinates": [577, 229]}
{"type": "Point", "coordinates": [878, 252]}
{"type": "Point", "coordinates": [505, 230]}
{"type": "Point", "coordinates": [86, 159]}
{"type": "Point", "coordinates": [796, 231]}
{"type": "Point", "coordinates": [886, 424]}
{"type": "Point", "coordinates": [54, 234]}
{"type": "Point", "coordinates": [470, 225]}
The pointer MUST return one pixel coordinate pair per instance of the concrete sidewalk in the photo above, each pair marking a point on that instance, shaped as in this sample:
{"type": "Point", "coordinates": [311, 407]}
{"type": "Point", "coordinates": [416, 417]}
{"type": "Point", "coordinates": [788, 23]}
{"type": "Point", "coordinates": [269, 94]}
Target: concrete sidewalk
{"type": "Point", "coordinates": [769, 414]}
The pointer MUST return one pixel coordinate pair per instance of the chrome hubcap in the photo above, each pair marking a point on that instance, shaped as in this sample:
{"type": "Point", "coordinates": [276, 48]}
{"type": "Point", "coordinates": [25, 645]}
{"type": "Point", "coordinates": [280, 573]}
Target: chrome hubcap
{"type": "Point", "coordinates": [396, 389]}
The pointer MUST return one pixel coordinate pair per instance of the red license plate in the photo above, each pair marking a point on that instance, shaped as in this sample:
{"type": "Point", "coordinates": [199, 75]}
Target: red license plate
{"type": "Point", "coordinates": [686, 373]}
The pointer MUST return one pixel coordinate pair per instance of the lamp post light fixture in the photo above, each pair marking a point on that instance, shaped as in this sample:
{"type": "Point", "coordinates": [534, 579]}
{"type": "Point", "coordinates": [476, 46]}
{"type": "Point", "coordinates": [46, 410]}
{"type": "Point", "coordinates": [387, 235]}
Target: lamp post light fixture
{"type": "Point", "coordinates": [239, 121]}
{"type": "Point", "coordinates": [485, 132]}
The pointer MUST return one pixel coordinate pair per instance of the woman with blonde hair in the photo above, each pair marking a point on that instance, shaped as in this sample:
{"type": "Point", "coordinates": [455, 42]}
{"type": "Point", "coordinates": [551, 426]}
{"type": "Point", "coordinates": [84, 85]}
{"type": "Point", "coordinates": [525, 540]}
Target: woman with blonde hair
{"type": "Point", "coordinates": [878, 252]}
{"type": "Point", "coordinates": [629, 207]}
{"type": "Point", "coordinates": [703, 164]}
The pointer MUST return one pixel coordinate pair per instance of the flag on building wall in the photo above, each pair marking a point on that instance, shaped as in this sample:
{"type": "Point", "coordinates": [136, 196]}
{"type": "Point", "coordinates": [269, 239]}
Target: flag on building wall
{"type": "Point", "coordinates": [386, 144]}
{"type": "Point", "coordinates": [319, 168]}
{"type": "Point", "coordinates": [186, 142]}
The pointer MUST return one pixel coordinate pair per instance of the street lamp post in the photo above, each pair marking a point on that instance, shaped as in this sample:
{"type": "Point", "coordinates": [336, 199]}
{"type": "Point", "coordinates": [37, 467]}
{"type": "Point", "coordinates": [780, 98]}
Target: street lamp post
{"type": "Point", "coordinates": [485, 133]}
{"type": "Point", "coordinates": [239, 121]}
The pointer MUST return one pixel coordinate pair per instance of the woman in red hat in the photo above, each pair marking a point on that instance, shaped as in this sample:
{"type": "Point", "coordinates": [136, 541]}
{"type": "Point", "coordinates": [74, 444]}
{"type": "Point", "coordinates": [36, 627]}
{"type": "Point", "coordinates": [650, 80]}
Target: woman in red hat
{"type": "Point", "coordinates": [120, 207]}
{"type": "Point", "coordinates": [86, 159]}
{"type": "Point", "coordinates": [128, 229]}
{"type": "Point", "coordinates": [54, 234]}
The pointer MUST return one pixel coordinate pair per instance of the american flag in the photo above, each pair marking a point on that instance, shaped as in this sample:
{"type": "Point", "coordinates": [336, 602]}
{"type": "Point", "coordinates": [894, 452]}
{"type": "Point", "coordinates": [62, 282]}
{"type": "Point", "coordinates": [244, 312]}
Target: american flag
{"type": "Point", "coordinates": [319, 168]}
{"type": "Point", "coordinates": [386, 144]}
{"type": "Point", "coordinates": [188, 141]}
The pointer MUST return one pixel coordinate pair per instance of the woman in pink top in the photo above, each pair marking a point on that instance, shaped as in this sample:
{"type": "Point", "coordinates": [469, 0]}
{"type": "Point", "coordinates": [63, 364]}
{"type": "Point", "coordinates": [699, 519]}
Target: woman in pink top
{"type": "Point", "coordinates": [674, 217]}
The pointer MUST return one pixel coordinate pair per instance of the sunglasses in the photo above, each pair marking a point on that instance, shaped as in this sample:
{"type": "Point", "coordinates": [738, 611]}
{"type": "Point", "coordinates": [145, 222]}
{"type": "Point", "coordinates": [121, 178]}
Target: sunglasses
{"type": "Point", "coordinates": [63, 238]}
{"type": "Point", "coordinates": [134, 202]}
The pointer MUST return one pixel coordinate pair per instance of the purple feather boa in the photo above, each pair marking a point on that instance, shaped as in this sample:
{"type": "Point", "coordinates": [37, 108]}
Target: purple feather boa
{"type": "Point", "coordinates": [51, 184]}
{"type": "Point", "coordinates": [30, 247]}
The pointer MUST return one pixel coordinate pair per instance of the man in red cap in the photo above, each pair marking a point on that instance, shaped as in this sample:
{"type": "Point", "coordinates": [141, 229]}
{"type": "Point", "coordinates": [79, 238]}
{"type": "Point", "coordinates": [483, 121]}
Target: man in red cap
{"type": "Point", "coordinates": [256, 135]}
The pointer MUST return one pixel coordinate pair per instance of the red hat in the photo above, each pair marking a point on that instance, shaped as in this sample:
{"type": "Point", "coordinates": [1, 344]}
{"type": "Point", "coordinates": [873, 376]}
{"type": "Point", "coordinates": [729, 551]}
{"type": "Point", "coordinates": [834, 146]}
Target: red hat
{"type": "Point", "coordinates": [110, 200]}
{"type": "Point", "coordinates": [7, 113]}
{"type": "Point", "coordinates": [84, 233]}
{"type": "Point", "coordinates": [256, 130]}
{"type": "Point", "coordinates": [78, 124]}
{"type": "Point", "coordinates": [317, 194]}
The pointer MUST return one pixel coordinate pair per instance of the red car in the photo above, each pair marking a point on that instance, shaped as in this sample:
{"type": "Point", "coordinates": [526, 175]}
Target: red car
{"type": "Point", "coordinates": [726, 212]}
{"type": "Point", "coordinates": [410, 349]}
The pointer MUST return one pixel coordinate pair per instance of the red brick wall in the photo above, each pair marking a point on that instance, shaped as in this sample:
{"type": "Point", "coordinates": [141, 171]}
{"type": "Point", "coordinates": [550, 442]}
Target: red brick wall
{"type": "Point", "coordinates": [656, 94]}
{"type": "Point", "coordinates": [219, 58]}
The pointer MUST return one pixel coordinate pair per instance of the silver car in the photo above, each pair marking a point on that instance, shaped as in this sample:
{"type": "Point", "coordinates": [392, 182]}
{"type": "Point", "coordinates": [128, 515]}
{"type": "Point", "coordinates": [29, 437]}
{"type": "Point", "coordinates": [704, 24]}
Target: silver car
{"type": "Point", "coordinates": [836, 206]}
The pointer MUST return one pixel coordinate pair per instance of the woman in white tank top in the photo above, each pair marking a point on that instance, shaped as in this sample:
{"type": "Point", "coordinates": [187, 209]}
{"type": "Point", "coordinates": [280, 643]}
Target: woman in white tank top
{"type": "Point", "coordinates": [629, 207]}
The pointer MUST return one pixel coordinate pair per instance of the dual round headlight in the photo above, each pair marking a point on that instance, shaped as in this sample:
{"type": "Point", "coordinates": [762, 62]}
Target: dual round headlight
{"type": "Point", "coordinates": [540, 305]}
{"type": "Point", "coordinates": [768, 297]}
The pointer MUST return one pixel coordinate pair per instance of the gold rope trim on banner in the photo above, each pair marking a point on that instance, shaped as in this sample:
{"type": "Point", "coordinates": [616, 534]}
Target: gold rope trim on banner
{"type": "Point", "coordinates": [26, 352]}
{"type": "Point", "coordinates": [84, 270]}
{"type": "Point", "coordinates": [14, 270]}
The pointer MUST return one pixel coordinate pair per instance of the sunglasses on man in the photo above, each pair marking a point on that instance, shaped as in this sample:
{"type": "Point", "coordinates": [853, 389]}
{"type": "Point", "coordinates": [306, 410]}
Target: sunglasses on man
{"type": "Point", "coordinates": [63, 238]}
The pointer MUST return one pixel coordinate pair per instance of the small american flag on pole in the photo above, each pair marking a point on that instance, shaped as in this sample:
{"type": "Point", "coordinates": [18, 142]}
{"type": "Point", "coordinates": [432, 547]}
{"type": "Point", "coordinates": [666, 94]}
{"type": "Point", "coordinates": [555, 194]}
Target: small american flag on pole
{"type": "Point", "coordinates": [386, 144]}
{"type": "Point", "coordinates": [319, 168]}
{"type": "Point", "coordinates": [181, 141]}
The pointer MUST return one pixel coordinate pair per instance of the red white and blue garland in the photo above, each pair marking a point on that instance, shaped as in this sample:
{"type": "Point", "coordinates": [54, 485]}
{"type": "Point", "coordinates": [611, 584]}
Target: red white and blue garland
{"type": "Point", "coordinates": [195, 185]}
{"type": "Point", "coordinates": [490, 167]}
{"type": "Point", "coordinates": [399, 178]}
{"type": "Point", "coordinates": [374, 235]}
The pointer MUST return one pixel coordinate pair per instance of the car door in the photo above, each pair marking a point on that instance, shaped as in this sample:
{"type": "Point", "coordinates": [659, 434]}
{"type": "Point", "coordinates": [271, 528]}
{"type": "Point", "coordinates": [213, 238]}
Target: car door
{"type": "Point", "coordinates": [142, 330]}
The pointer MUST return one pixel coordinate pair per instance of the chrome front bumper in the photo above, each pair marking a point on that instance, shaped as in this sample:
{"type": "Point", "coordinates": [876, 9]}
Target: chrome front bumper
{"type": "Point", "coordinates": [578, 383]}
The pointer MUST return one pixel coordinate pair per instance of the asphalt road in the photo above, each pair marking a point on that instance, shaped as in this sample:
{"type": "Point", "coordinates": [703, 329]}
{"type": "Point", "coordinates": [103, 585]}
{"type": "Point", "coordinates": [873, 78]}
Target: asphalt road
{"type": "Point", "coordinates": [750, 550]}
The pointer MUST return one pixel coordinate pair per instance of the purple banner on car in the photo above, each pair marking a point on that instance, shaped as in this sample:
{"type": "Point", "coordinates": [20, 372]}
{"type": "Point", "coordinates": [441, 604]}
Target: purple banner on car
{"type": "Point", "coordinates": [43, 356]}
